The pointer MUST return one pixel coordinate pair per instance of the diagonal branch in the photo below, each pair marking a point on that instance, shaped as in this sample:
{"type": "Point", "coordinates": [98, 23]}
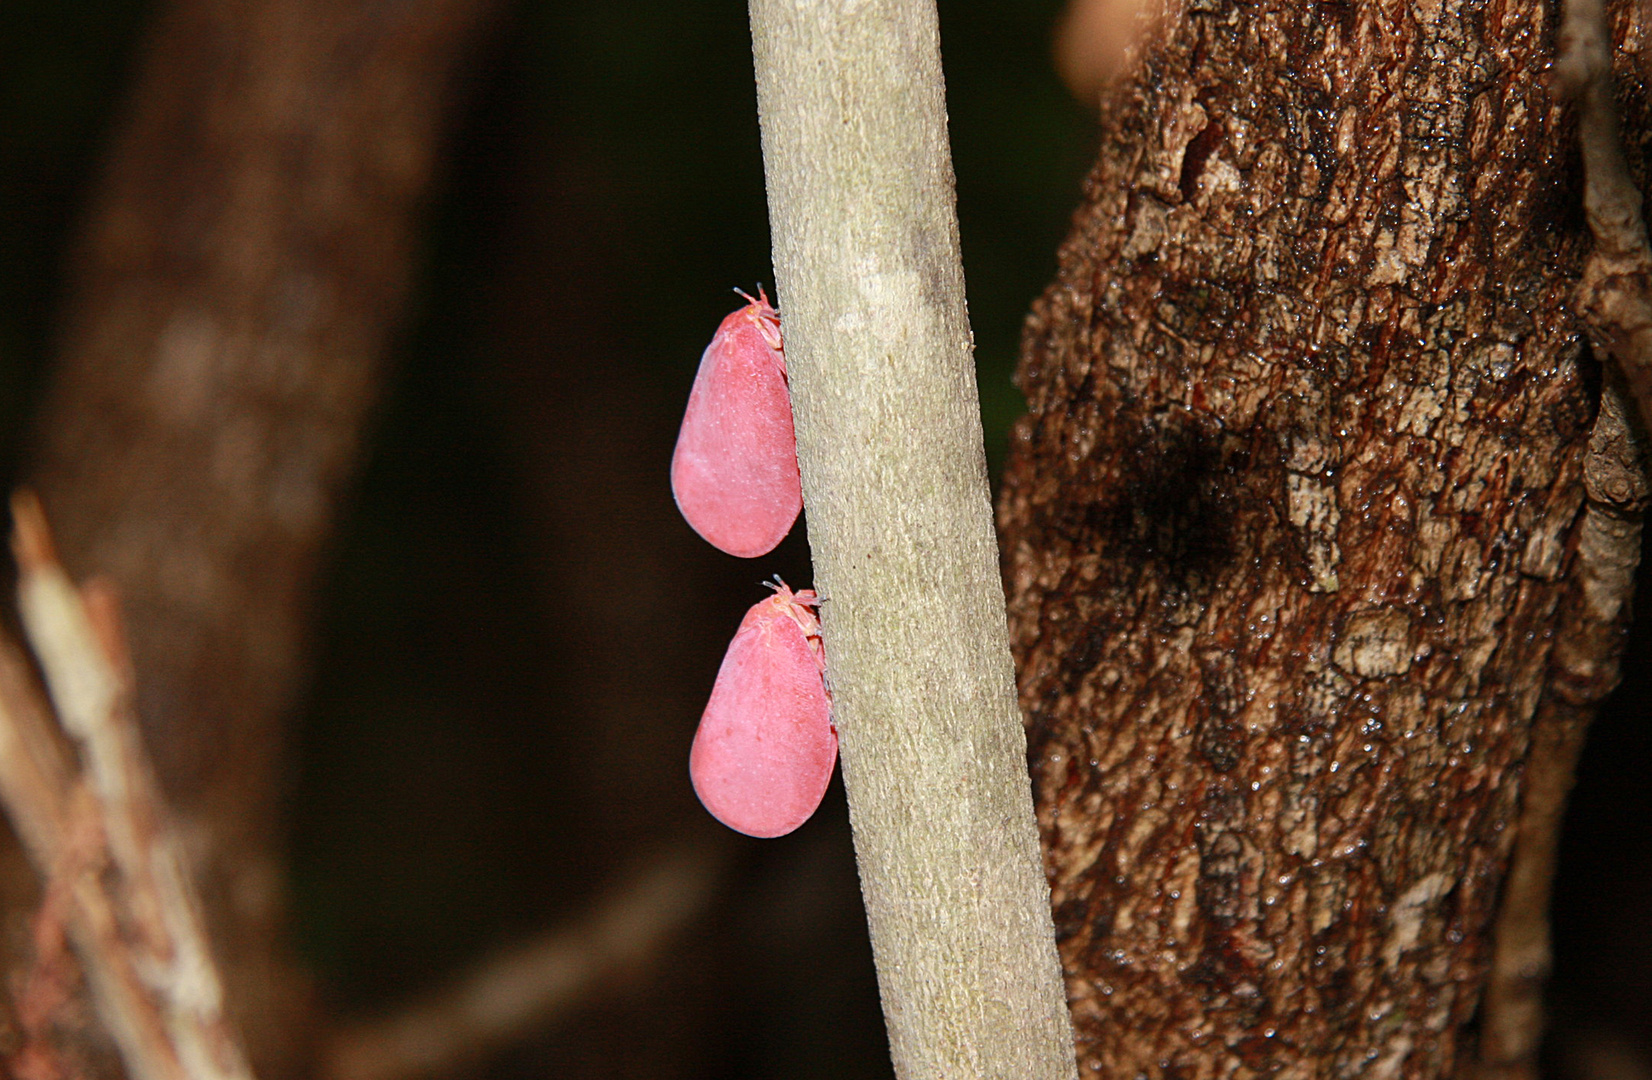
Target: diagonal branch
{"type": "Point", "coordinates": [101, 834]}
{"type": "Point", "coordinates": [244, 260]}
{"type": "Point", "coordinates": [522, 989]}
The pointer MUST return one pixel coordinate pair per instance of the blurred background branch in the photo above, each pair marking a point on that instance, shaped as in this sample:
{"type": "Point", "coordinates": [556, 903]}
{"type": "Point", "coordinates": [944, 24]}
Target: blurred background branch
{"type": "Point", "coordinates": [528, 987]}
{"type": "Point", "coordinates": [100, 833]}
{"type": "Point", "coordinates": [231, 299]}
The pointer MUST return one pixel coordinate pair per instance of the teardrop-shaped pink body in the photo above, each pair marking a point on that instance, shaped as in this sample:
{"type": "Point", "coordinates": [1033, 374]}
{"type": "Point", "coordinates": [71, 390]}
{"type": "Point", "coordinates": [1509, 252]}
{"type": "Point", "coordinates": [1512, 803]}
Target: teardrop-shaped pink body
{"type": "Point", "coordinates": [765, 749]}
{"type": "Point", "coordinates": [734, 472]}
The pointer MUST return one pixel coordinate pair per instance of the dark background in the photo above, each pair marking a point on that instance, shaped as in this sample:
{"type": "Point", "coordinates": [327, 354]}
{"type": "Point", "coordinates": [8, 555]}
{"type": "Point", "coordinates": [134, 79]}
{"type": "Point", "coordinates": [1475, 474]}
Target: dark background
{"type": "Point", "coordinates": [465, 770]}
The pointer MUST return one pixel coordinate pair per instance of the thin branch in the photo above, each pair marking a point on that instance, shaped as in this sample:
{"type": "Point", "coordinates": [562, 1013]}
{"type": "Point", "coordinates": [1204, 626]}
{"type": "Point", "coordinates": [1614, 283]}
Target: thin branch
{"type": "Point", "coordinates": [102, 834]}
{"type": "Point", "coordinates": [878, 350]}
{"type": "Point", "coordinates": [524, 989]}
{"type": "Point", "coordinates": [1615, 293]}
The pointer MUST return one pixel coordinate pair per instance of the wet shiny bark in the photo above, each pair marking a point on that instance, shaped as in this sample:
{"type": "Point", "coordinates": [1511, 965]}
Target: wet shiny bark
{"type": "Point", "coordinates": [1292, 533]}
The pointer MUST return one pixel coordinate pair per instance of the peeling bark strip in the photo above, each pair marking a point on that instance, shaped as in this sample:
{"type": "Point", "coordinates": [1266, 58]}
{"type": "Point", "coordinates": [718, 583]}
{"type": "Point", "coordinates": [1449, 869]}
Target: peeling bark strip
{"type": "Point", "coordinates": [1293, 530]}
{"type": "Point", "coordinates": [241, 274]}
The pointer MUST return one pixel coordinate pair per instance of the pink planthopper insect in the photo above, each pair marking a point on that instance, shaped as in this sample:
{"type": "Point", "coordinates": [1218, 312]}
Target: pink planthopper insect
{"type": "Point", "coordinates": [765, 749]}
{"type": "Point", "coordinates": [734, 472]}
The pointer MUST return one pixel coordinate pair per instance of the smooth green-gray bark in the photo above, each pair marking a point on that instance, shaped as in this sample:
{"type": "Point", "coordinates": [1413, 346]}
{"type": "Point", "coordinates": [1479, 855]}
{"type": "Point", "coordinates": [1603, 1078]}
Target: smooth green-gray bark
{"type": "Point", "coordinates": [889, 440]}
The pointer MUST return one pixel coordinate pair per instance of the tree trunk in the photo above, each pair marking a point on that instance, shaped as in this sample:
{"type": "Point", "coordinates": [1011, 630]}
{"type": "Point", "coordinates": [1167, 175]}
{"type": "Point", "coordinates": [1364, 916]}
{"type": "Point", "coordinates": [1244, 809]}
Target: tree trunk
{"type": "Point", "coordinates": [1305, 535]}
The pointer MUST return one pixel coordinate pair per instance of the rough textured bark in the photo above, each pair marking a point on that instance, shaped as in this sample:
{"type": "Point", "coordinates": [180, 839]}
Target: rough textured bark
{"type": "Point", "coordinates": [1297, 536]}
{"type": "Point", "coordinates": [242, 270]}
{"type": "Point", "coordinates": [879, 359]}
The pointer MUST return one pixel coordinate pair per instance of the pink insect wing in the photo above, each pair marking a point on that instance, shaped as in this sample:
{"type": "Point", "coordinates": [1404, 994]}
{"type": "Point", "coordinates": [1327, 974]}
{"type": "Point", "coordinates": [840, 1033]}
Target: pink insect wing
{"type": "Point", "coordinates": [734, 472]}
{"type": "Point", "coordinates": [765, 748]}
